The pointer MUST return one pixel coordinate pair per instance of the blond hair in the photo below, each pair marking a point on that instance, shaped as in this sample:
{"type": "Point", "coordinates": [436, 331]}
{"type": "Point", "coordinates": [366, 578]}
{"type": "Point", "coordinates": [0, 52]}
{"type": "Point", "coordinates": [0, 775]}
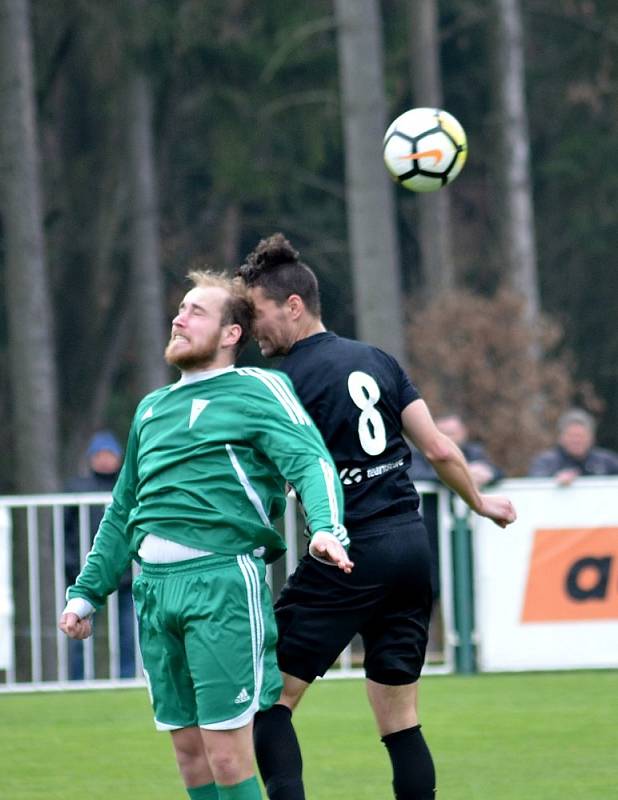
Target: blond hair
{"type": "Point", "coordinates": [237, 309]}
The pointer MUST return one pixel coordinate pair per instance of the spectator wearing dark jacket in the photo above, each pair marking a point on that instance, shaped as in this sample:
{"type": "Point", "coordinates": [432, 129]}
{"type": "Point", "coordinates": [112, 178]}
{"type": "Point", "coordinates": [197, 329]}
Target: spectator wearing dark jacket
{"type": "Point", "coordinates": [482, 469]}
{"type": "Point", "coordinates": [574, 453]}
{"type": "Point", "coordinates": [104, 456]}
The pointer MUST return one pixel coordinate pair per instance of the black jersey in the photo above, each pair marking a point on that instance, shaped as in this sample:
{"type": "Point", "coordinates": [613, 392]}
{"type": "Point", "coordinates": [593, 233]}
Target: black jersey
{"type": "Point", "coordinates": [355, 393]}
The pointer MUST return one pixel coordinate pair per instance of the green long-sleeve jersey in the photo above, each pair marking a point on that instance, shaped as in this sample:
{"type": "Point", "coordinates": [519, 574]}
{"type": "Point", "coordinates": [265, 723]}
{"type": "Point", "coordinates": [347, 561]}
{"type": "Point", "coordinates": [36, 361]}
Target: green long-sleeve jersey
{"type": "Point", "coordinates": [206, 465]}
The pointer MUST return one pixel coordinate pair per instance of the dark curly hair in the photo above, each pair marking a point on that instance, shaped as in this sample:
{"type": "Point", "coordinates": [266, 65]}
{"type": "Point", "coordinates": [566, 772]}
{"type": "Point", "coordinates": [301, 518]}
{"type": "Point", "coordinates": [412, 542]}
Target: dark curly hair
{"type": "Point", "coordinates": [275, 267]}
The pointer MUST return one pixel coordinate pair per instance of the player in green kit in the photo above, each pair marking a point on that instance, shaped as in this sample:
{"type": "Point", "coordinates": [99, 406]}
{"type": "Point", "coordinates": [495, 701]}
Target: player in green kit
{"type": "Point", "coordinates": [204, 476]}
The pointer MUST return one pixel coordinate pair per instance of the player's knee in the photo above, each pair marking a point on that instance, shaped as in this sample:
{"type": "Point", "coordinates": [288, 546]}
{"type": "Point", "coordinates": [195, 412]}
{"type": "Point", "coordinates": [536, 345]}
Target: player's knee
{"type": "Point", "coordinates": [190, 756]}
{"type": "Point", "coordinates": [226, 767]}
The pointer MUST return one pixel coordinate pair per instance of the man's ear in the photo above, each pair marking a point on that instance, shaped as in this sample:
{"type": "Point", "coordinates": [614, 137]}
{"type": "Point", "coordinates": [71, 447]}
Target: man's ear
{"type": "Point", "coordinates": [296, 305]}
{"type": "Point", "coordinates": [231, 335]}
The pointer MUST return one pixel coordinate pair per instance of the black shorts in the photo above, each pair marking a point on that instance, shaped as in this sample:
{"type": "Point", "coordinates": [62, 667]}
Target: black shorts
{"type": "Point", "coordinates": [386, 599]}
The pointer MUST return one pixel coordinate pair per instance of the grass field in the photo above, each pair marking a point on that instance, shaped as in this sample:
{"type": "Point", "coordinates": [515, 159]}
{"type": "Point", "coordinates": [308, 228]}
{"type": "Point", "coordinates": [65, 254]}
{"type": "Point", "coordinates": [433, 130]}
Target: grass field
{"type": "Point", "coordinates": [494, 737]}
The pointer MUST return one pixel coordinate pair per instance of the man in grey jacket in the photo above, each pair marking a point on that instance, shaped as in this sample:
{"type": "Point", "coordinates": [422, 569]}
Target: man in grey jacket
{"type": "Point", "coordinates": [575, 453]}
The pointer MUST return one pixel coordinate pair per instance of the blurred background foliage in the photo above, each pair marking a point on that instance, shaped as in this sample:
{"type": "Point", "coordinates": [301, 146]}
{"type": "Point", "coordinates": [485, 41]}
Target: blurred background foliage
{"type": "Point", "coordinates": [247, 139]}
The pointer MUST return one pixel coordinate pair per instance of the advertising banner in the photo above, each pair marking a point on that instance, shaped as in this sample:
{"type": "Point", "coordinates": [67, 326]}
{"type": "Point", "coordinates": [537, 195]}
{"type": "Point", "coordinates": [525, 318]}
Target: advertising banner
{"type": "Point", "coordinates": [546, 588]}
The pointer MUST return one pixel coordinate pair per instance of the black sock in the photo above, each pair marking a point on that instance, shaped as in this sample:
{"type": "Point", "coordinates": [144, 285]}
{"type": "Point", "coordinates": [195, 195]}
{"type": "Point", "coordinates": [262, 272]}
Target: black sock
{"type": "Point", "coordinates": [414, 776]}
{"type": "Point", "coordinates": [278, 754]}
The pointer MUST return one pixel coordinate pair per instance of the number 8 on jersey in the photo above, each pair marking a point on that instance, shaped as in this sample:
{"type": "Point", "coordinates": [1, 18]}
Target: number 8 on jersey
{"type": "Point", "coordinates": [365, 393]}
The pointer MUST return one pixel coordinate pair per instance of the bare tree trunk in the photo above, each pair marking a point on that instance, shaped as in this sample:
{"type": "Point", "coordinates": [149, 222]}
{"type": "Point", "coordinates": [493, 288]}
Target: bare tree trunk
{"type": "Point", "coordinates": [369, 191]}
{"type": "Point", "coordinates": [229, 239]}
{"type": "Point", "coordinates": [434, 208]}
{"type": "Point", "coordinates": [30, 328]}
{"type": "Point", "coordinates": [92, 415]}
{"type": "Point", "coordinates": [517, 214]}
{"type": "Point", "coordinates": [146, 277]}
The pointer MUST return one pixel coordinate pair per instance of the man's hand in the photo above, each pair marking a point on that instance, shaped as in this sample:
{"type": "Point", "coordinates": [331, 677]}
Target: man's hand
{"type": "Point", "coordinates": [565, 477]}
{"type": "Point", "coordinates": [497, 508]}
{"type": "Point", "coordinates": [328, 549]}
{"type": "Point", "coordinates": [74, 627]}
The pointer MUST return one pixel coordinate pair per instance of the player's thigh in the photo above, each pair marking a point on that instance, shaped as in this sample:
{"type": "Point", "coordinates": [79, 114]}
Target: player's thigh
{"type": "Point", "coordinates": [394, 707]}
{"type": "Point", "coordinates": [317, 615]}
{"type": "Point", "coordinates": [230, 641]}
{"type": "Point", "coordinates": [168, 678]}
{"type": "Point", "coordinates": [310, 642]}
{"type": "Point", "coordinates": [395, 637]}
{"type": "Point", "coordinates": [395, 643]}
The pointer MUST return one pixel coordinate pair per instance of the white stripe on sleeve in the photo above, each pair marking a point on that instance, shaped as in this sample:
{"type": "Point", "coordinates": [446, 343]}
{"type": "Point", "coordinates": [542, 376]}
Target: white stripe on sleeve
{"type": "Point", "coordinates": [329, 477]}
{"type": "Point", "coordinates": [281, 391]}
{"type": "Point", "coordinates": [246, 484]}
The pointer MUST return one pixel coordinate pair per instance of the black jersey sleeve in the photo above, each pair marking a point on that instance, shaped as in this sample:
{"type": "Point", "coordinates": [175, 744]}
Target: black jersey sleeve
{"type": "Point", "coordinates": [408, 392]}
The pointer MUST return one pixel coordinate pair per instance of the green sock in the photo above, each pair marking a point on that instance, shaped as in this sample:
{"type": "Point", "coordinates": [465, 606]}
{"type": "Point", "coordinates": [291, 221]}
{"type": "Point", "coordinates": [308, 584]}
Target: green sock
{"type": "Point", "coordinates": [206, 792]}
{"type": "Point", "coordinates": [247, 790]}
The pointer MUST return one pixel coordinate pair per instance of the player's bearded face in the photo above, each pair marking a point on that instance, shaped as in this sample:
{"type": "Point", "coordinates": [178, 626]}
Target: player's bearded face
{"type": "Point", "coordinates": [272, 325]}
{"type": "Point", "coordinates": [185, 354]}
{"type": "Point", "coordinates": [195, 342]}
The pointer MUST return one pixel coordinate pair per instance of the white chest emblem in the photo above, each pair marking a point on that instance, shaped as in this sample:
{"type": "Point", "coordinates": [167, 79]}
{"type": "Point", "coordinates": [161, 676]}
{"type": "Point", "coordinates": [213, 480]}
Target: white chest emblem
{"type": "Point", "coordinates": [197, 406]}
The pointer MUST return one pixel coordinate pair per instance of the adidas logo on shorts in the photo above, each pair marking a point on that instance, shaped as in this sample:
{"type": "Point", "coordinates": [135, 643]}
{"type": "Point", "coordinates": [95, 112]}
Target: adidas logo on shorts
{"type": "Point", "coordinates": [243, 696]}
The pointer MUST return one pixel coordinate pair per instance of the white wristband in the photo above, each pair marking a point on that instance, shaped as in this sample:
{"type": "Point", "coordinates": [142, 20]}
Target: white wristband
{"type": "Point", "coordinates": [79, 606]}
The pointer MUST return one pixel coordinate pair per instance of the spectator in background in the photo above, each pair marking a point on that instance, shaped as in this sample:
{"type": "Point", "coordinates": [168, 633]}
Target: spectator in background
{"type": "Point", "coordinates": [104, 456]}
{"type": "Point", "coordinates": [483, 472]}
{"type": "Point", "coordinates": [481, 468]}
{"type": "Point", "coordinates": [575, 453]}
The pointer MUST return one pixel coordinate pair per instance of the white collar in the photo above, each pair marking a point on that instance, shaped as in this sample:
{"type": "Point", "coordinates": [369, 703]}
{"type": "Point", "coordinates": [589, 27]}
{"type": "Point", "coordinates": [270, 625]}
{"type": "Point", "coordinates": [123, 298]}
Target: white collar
{"type": "Point", "coordinates": [201, 375]}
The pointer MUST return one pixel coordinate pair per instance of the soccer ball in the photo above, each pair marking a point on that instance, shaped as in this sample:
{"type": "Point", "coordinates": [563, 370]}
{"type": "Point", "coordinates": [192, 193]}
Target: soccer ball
{"type": "Point", "coordinates": [424, 149]}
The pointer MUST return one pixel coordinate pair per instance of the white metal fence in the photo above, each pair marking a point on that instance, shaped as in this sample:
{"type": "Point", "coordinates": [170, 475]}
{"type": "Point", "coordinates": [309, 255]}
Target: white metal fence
{"type": "Point", "coordinates": [35, 655]}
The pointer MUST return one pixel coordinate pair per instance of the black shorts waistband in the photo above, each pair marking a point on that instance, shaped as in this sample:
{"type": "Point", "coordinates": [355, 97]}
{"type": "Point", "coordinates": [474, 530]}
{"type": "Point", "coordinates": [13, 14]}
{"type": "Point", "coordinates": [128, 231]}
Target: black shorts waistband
{"type": "Point", "coordinates": [384, 525]}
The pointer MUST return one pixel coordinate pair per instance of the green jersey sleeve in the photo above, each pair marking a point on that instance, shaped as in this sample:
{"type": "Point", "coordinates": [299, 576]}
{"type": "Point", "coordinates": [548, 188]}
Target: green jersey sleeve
{"type": "Point", "coordinates": [283, 430]}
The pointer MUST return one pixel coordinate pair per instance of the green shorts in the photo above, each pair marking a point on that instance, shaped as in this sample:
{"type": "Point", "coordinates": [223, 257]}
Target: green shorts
{"type": "Point", "coordinates": [207, 636]}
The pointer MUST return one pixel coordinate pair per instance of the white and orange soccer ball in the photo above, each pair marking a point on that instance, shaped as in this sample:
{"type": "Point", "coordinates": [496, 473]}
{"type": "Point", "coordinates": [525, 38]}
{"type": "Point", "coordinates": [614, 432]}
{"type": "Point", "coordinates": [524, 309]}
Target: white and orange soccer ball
{"type": "Point", "coordinates": [425, 149]}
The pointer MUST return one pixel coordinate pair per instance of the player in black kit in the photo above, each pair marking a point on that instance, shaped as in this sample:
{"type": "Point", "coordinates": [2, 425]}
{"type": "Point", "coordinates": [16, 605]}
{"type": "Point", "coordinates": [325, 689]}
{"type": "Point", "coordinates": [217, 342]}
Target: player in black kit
{"type": "Point", "coordinates": [361, 401]}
